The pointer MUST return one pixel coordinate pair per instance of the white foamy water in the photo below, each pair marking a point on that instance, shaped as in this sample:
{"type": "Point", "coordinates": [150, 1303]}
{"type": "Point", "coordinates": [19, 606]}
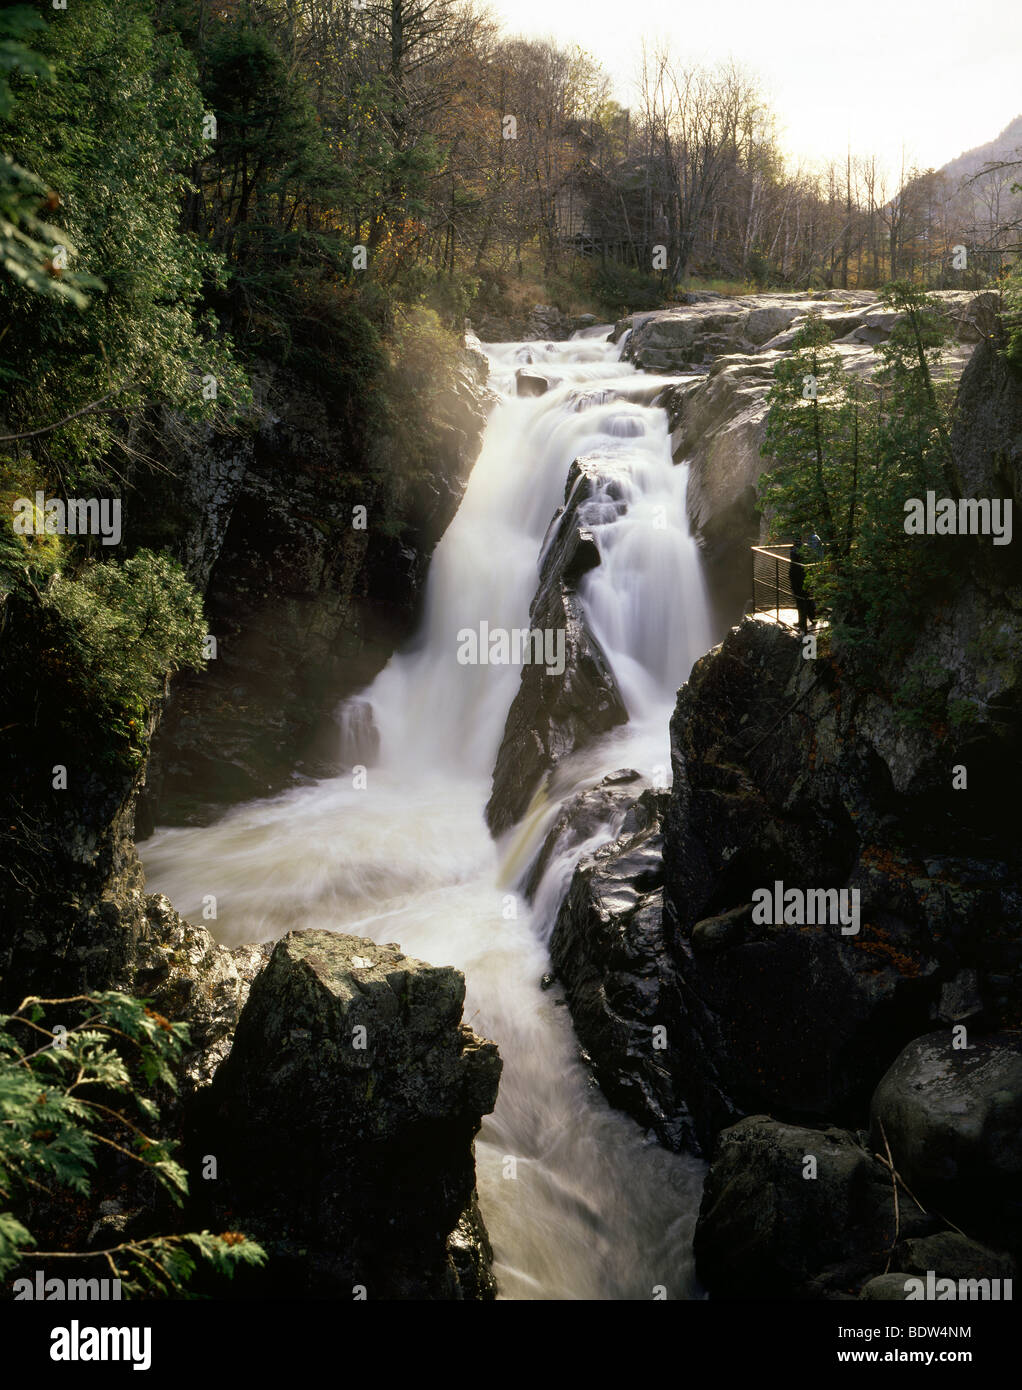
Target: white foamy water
{"type": "Point", "coordinates": [596, 1210]}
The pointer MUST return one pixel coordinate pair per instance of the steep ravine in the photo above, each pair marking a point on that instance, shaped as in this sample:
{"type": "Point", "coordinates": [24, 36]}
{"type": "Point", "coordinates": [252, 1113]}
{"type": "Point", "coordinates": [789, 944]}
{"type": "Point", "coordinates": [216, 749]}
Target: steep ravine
{"type": "Point", "coordinates": [577, 1202]}
{"type": "Point", "coordinates": [263, 522]}
{"type": "Point", "coordinates": [751, 1046]}
{"type": "Point", "coordinates": [790, 1041]}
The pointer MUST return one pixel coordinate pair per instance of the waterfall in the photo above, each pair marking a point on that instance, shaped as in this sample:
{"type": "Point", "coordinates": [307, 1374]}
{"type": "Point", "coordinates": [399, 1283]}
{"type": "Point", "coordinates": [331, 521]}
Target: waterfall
{"type": "Point", "coordinates": [594, 1209]}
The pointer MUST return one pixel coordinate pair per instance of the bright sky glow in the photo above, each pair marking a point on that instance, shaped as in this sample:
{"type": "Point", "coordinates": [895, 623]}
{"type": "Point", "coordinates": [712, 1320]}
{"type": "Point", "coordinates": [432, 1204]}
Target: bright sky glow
{"type": "Point", "coordinates": [939, 76]}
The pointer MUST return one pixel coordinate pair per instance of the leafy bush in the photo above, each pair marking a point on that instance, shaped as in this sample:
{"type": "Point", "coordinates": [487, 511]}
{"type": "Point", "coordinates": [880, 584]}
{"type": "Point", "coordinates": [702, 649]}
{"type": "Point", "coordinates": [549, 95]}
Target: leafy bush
{"type": "Point", "coordinates": [79, 1085]}
{"type": "Point", "coordinates": [121, 628]}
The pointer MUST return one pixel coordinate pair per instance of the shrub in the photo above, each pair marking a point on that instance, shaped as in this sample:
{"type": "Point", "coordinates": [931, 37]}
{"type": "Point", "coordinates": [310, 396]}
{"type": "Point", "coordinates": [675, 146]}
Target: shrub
{"type": "Point", "coordinates": [78, 1087]}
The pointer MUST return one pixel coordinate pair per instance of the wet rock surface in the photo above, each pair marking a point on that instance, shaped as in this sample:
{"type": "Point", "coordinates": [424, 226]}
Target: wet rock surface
{"type": "Point", "coordinates": [344, 1119]}
{"type": "Point", "coordinates": [609, 950]}
{"type": "Point", "coordinates": [556, 713]}
{"type": "Point", "coordinates": [951, 1109]}
{"type": "Point", "coordinates": [313, 557]}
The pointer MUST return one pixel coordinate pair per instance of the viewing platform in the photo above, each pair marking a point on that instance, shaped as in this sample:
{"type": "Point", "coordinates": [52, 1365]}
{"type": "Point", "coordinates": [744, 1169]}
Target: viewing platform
{"type": "Point", "coordinates": [773, 599]}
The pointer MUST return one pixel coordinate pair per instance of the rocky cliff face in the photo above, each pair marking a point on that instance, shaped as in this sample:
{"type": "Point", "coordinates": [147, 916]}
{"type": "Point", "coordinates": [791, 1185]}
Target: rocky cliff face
{"type": "Point", "coordinates": [312, 551]}
{"type": "Point", "coordinates": [718, 417]}
{"type": "Point", "coordinates": [264, 522]}
{"type": "Point", "coordinates": [556, 713]}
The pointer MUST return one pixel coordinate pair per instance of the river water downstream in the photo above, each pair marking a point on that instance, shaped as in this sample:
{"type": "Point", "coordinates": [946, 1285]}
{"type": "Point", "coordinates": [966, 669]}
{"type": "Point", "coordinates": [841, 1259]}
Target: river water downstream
{"type": "Point", "coordinates": [594, 1209]}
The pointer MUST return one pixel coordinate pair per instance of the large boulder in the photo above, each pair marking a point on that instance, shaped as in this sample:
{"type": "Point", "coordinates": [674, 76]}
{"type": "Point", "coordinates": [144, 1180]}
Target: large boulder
{"type": "Point", "coordinates": [790, 1212]}
{"type": "Point", "coordinates": [530, 383]}
{"type": "Point", "coordinates": [546, 321]}
{"type": "Point", "coordinates": [953, 1118]}
{"type": "Point", "coordinates": [343, 1122]}
{"type": "Point", "coordinates": [798, 1020]}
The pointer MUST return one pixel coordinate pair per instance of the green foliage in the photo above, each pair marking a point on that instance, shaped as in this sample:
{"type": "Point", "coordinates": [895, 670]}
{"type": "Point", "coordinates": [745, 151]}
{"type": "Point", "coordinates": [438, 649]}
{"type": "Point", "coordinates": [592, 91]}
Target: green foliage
{"type": "Point", "coordinates": [121, 629]}
{"type": "Point", "coordinates": [75, 1078]}
{"type": "Point", "coordinates": [1012, 315]}
{"type": "Point", "coordinates": [19, 25]}
{"type": "Point", "coordinates": [846, 462]}
{"type": "Point", "coordinates": [29, 243]}
{"type": "Point", "coordinates": [112, 134]}
{"type": "Point", "coordinates": [815, 430]}
{"type": "Point", "coordinates": [34, 556]}
{"type": "Point", "coordinates": [423, 360]}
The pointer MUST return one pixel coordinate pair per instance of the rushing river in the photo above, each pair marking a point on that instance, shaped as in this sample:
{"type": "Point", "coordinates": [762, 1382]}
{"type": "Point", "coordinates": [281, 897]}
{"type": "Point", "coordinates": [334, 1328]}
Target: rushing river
{"type": "Point", "coordinates": [595, 1209]}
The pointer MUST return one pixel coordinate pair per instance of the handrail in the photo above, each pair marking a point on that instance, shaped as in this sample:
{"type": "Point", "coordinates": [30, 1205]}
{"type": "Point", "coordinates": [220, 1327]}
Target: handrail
{"type": "Point", "coordinates": [771, 578]}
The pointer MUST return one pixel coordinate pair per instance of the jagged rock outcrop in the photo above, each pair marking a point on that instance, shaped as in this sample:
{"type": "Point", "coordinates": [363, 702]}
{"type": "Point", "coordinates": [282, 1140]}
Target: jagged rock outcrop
{"type": "Point", "coordinates": [718, 419]}
{"type": "Point", "coordinates": [694, 333]}
{"type": "Point", "coordinates": [306, 594]}
{"type": "Point", "coordinates": [555, 713]}
{"type": "Point", "coordinates": [611, 803]}
{"type": "Point", "coordinates": [788, 770]}
{"type": "Point", "coordinates": [791, 1212]}
{"type": "Point", "coordinates": [343, 1123]}
{"type": "Point", "coordinates": [785, 771]}
{"type": "Point", "coordinates": [609, 951]}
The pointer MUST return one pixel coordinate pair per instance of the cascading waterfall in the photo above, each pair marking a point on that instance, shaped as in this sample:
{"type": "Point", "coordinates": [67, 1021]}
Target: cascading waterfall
{"type": "Point", "coordinates": [595, 1209]}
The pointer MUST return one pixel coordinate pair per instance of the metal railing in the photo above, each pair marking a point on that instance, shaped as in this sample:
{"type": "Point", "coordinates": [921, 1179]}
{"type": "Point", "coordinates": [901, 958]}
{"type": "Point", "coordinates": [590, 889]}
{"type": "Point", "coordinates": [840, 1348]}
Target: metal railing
{"type": "Point", "coordinates": [771, 580]}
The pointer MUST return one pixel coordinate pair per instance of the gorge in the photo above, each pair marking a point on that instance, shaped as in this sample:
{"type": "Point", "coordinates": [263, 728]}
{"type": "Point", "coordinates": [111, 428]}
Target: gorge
{"type": "Point", "coordinates": [593, 1211]}
{"type": "Point", "coordinates": [573, 840]}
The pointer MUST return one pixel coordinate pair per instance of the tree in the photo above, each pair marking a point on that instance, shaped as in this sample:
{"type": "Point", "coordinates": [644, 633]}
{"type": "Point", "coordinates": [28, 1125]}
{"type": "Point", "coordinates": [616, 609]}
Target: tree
{"type": "Point", "coordinates": [112, 135]}
{"type": "Point", "coordinates": [33, 252]}
{"type": "Point", "coordinates": [847, 462]}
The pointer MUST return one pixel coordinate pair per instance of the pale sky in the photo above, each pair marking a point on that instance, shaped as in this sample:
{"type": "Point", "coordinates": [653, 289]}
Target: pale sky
{"type": "Point", "coordinates": [939, 75]}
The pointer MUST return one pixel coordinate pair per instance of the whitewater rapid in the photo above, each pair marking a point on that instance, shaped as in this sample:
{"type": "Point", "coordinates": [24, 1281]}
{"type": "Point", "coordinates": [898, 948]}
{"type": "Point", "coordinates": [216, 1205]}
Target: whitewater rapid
{"type": "Point", "coordinates": [595, 1210]}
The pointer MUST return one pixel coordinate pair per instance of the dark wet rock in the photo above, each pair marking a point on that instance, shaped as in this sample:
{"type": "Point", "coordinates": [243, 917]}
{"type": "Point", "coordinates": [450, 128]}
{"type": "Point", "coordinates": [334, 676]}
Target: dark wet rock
{"type": "Point", "coordinates": [766, 1230]}
{"type": "Point", "coordinates": [952, 1255]}
{"type": "Point", "coordinates": [555, 714]}
{"type": "Point", "coordinates": [953, 1119]}
{"type": "Point", "coordinates": [799, 1020]}
{"type": "Point", "coordinates": [946, 1255]}
{"type": "Point", "coordinates": [343, 1122]}
{"type": "Point", "coordinates": [608, 948]}
{"type": "Point", "coordinates": [611, 802]}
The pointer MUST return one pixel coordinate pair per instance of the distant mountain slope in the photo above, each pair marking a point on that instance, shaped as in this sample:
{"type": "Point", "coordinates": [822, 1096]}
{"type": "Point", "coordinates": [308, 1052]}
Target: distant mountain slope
{"type": "Point", "coordinates": [1004, 146]}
